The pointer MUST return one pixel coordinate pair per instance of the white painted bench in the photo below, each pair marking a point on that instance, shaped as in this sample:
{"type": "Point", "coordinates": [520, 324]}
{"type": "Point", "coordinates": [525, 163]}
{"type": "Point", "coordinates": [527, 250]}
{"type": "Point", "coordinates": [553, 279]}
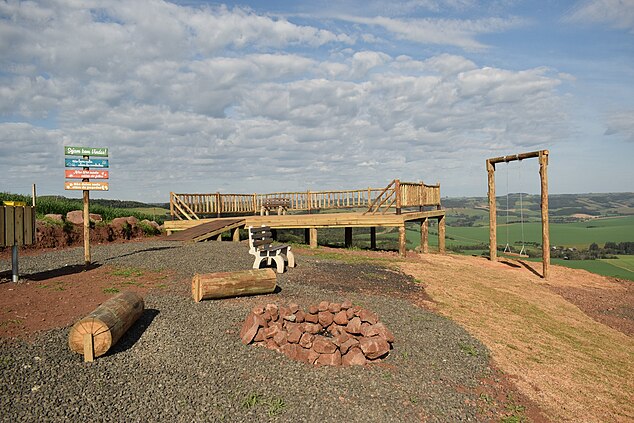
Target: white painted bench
{"type": "Point", "coordinates": [260, 245]}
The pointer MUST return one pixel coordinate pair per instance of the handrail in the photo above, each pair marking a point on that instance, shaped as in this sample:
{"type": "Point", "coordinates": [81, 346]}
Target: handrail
{"type": "Point", "coordinates": [396, 195]}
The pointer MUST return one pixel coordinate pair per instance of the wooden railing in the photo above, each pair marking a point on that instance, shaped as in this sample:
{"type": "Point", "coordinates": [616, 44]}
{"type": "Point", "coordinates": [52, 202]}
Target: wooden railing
{"type": "Point", "coordinates": [403, 194]}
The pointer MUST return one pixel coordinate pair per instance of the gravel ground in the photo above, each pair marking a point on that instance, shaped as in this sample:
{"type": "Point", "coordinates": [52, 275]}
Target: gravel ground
{"type": "Point", "coordinates": [183, 361]}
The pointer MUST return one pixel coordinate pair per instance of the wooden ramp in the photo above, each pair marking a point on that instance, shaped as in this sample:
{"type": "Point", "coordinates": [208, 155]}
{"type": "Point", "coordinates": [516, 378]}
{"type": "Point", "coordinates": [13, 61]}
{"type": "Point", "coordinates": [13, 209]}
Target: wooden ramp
{"type": "Point", "coordinates": [209, 229]}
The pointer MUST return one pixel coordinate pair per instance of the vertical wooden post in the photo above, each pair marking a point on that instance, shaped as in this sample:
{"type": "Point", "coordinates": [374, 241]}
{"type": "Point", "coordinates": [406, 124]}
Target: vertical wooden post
{"type": "Point", "coordinates": [424, 235]}
{"type": "Point", "coordinates": [313, 237]}
{"type": "Point", "coordinates": [218, 237]}
{"type": "Point", "coordinates": [397, 190]}
{"type": "Point", "coordinates": [86, 228]}
{"type": "Point", "coordinates": [255, 203]}
{"type": "Point", "coordinates": [235, 235]}
{"type": "Point", "coordinates": [309, 201]}
{"type": "Point", "coordinates": [33, 196]}
{"type": "Point", "coordinates": [543, 173]}
{"type": "Point", "coordinates": [218, 204]}
{"type": "Point", "coordinates": [373, 238]}
{"type": "Point", "coordinates": [172, 205]}
{"type": "Point", "coordinates": [493, 243]}
{"type": "Point", "coordinates": [348, 237]}
{"type": "Point", "coordinates": [402, 242]}
{"type": "Point", "coordinates": [441, 234]}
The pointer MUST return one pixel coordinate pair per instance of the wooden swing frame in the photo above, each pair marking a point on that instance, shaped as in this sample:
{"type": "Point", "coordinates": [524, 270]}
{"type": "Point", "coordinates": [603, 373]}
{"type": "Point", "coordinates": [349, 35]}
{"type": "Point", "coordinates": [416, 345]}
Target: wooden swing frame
{"type": "Point", "coordinates": [542, 155]}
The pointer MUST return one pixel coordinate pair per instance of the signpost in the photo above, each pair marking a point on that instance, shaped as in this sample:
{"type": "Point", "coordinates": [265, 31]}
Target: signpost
{"type": "Point", "coordinates": [85, 174]}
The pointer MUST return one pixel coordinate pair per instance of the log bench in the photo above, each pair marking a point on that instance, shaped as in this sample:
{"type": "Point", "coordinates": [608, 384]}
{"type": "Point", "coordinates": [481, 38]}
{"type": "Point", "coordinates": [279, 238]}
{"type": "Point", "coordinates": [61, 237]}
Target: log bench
{"type": "Point", "coordinates": [261, 246]}
{"type": "Point", "coordinates": [281, 204]}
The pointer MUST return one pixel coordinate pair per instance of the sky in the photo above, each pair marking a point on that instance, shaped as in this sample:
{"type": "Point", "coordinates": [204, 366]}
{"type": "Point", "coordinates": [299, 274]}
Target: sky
{"type": "Point", "coordinates": [268, 96]}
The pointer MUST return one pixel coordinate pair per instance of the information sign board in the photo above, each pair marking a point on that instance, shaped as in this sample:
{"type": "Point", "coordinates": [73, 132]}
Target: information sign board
{"type": "Point", "coordinates": [85, 174]}
{"type": "Point", "coordinates": [99, 163]}
{"type": "Point", "coordinates": [86, 151]}
{"type": "Point", "coordinates": [88, 186]}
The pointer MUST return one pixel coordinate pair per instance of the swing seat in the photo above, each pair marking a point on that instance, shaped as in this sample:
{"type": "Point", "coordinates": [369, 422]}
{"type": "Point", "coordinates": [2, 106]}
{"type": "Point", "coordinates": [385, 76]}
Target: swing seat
{"type": "Point", "coordinates": [508, 253]}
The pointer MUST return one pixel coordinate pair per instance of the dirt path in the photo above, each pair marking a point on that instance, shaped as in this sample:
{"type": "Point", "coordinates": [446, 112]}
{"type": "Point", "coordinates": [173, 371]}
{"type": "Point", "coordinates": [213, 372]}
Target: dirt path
{"type": "Point", "coordinates": [573, 366]}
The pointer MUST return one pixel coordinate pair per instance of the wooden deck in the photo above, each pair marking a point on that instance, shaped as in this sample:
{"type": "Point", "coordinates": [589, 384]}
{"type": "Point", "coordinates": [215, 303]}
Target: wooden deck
{"type": "Point", "coordinates": [203, 229]}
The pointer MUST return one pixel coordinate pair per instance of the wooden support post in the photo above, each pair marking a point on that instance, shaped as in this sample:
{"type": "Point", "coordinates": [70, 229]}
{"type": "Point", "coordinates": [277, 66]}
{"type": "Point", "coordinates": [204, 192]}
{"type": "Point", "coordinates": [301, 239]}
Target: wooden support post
{"type": "Point", "coordinates": [313, 237]}
{"type": "Point", "coordinates": [218, 237]}
{"type": "Point", "coordinates": [397, 191]}
{"type": "Point", "coordinates": [441, 234]}
{"type": "Point", "coordinates": [543, 173]}
{"type": "Point", "coordinates": [402, 242]}
{"type": "Point", "coordinates": [493, 253]}
{"type": "Point", "coordinates": [373, 238]}
{"type": "Point", "coordinates": [89, 348]}
{"type": "Point", "coordinates": [424, 236]}
{"type": "Point", "coordinates": [218, 204]}
{"type": "Point", "coordinates": [348, 237]}
{"type": "Point", "coordinates": [235, 234]}
{"type": "Point", "coordinates": [232, 284]}
{"type": "Point", "coordinates": [86, 228]}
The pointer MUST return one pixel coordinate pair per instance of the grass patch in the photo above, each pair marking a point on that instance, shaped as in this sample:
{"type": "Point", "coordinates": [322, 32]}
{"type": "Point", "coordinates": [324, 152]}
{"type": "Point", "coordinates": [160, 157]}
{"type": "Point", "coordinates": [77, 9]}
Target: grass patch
{"type": "Point", "coordinates": [110, 290]}
{"type": "Point", "coordinates": [128, 272]}
{"type": "Point", "coordinates": [468, 349]}
{"type": "Point", "coordinates": [274, 406]}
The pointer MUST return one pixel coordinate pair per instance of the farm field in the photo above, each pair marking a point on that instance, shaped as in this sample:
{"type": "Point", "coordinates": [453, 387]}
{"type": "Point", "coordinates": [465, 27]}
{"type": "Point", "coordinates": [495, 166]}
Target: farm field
{"type": "Point", "coordinates": [622, 268]}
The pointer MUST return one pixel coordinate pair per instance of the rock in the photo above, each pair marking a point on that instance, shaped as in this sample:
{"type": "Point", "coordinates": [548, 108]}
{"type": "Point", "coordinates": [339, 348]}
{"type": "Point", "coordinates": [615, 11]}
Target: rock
{"type": "Point", "coordinates": [323, 345]}
{"type": "Point", "coordinates": [354, 326]}
{"type": "Point", "coordinates": [368, 316]}
{"type": "Point", "coordinates": [323, 306]}
{"type": "Point", "coordinates": [333, 359]}
{"type": "Point", "coordinates": [311, 318]}
{"type": "Point", "coordinates": [293, 307]}
{"type": "Point", "coordinates": [94, 217]}
{"type": "Point", "coordinates": [345, 346]}
{"type": "Point", "coordinates": [250, 328]}
{"type": "Point", "coordinates": [259, 337]}
{"type": "Point", "coordinates": [271, 331]}
{"type": "Point", "coordinates": [349, 313]}
{"type": "Point", "coordinates": [334, 308]}
{"type": "Point", "coordinates": [306, 340]}
{"type": "Point", "coordinates": [340, 339]}
{"type": "Point", "coordinates": [346, 305]}
{"type": "Point", "coordinates": [299, 316]}
{"type": "Point", "coordinates": [57, 217]}
{"type": "Point", "coordinates": [259, 310]}
{"type": "Point", "coordinates": [374, 347]}
{"type": "Point", "coordinates": [290, 317]}
{"type": "Point", "coordinates": [294, 335]}
{"type": "Point", "coordinates": [335, 329]}
{"type": "Point", "coordinates": [76, 217]}
{"type": "Point", "coordinates": [312, 328]}
{"type": "Point", "coordinates": [313, 309]}
{"type": "Point", "coordinates": [281, 338]}
{"type": "Point", "coordinates": [325, 318]}
{"type": "Point", "coordinates": [340, 318]}
{"type": "Point", "coordinates": [381, 330]}
{"type": "Point", "coordinates": [354, 357]}
{"type": "Point", "coordinates": [293, 351]}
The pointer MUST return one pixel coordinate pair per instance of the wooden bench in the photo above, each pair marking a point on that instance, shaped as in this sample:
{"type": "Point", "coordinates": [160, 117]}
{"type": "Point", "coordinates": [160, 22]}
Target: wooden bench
{"type": "Point", "coordinates": [260, 245]}
{"type": "Point", "coordinates": [281, 204]}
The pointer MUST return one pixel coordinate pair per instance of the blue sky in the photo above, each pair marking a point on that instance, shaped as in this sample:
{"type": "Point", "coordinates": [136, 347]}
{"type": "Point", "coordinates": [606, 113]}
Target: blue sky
{"type": "Point", "coordinates": [199, 96]}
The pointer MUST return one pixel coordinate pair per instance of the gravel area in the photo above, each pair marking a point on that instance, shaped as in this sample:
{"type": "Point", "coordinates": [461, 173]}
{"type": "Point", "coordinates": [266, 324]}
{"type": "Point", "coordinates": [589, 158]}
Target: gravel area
{"type": "Point", "coordinates": [183, 361]}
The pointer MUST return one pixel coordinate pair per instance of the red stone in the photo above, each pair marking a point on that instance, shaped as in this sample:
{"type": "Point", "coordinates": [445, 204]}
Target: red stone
{"type": "Point", "coordinates": [335, 329]}
{"type": "Point", "coordinates": [323, 345]}
{"type": "Point", "coordinates": [368, 316]}
{"type": "Point", "coordinates": [293, 307]}
{"type": "Point", "coordinates": [271, 331]}
{"type": "Point", "coordinates": [271, 308]}
{"type": "Point", "coordinates": [354, 326]}
{"type": "Point", "coordinates": [340, 339]}
{"type": "Point", "coordinates": [313, 309]}
{"type": "Point", "coordinates": [323, 306]}
{"type": "Point", "coordinates": [345, 346]}
{"type": "Point", "coordinates": [299, 316]}
{"type": "Point", "coordinates": [334, 308]}
{"type": "Point", "coordinates": [381, 330]}
{"type": "Point", "coordinates": [266, 316]}
{"type": "Point", "coordinates": [308, 356]}
{"type": "Point", "coordinates": [312, 328]}
{"type": "Point", "coordinates": [325, 318]}
{"type": "Point", "coordinates": [259, 336]}
{"type": "Point", "coordinates": [349, 313]}
{"type": "Point", "coordinates": [294, 335]}
{"type": "Point", "coordinates": [341, 318]}
{"type": "Point", "coordinates": [346, 305]}
{"type": "Point", "coordinates": [374, 347]}
{"type": "Point", "coordinates": [357, 309]}
{"type": "Point", "coordinates": [271, 345]}
{"type": "Point", "coordinates": [250, 328]}
{"type": "Point", "coordinates": [311, 318]}
{"type": "Point", "coordinates": [306, 340]}
{"type": "Point", "coordinates": [258, 310]}
{"type": "Point", "coordinates": [354, 357]}
{"type": "Point", "coordinates": [333, 359]}
{"type": "Point", "coordinates": [281, 338]}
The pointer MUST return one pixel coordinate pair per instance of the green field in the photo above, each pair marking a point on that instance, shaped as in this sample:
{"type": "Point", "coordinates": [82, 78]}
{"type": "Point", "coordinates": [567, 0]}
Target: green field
{"type": "Point", "coordinates": [622, 268]}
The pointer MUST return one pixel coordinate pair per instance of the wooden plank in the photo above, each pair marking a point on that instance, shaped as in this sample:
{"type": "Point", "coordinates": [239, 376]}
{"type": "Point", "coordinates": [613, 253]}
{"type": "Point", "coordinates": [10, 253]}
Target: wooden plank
{"type": "Point", "coordinates": [9, 230]}
{"type": "Point", "coordinates": [3, 241]}
{"type": "Point", "coordinates": [203, 231]}
{"type": "Point", "coordinates": [29, 225]}
{"type": "Point", "coordinates": [515, 157]}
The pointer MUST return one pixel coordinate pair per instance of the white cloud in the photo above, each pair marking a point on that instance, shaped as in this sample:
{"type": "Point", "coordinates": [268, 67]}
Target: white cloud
{"type": "Point", "coordinates": [621, 124]}
{"type": "Point", "coordinates": [615, 13]}
{"type": "Point", "coordinates": [210, 99]}
{"type": "Point", "coordinates": [452, 32]}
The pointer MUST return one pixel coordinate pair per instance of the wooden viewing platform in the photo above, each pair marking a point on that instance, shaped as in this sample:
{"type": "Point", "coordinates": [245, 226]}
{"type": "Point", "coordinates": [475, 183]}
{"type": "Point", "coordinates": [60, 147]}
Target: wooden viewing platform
{"type": "Point", "coordinates": [393, 206]}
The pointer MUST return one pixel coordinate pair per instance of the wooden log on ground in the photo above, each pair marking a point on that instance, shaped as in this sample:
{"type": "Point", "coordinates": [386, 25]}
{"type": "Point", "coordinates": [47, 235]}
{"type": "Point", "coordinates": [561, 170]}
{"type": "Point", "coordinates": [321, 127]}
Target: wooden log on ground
{"type": "Point", "coordinates": [96, 333]}
{"type": "Point", "coordinates": [233, 284]}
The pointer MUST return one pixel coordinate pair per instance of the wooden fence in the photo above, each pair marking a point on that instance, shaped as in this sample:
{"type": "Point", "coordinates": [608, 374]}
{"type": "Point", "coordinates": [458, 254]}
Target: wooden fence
{"type": "Point", "coordinates": [410, 194]}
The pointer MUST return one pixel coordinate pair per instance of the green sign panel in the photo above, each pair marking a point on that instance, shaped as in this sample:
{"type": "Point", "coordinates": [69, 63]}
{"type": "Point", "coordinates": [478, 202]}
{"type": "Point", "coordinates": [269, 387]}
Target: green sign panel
{"type": "Point", "coordinates": [86, 151]}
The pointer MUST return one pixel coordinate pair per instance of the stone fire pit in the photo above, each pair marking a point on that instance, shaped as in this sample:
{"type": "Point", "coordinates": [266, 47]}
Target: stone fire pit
{"type": "Point", "coordinates": [330, 334]}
